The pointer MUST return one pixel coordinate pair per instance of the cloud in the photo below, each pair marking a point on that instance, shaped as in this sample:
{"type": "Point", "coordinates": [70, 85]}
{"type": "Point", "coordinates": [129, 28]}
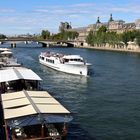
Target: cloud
{"type": "Point", "coordinates": [8, 20]}
{"type": "Point", "coordinates": [83, 5]}
{"type": "Point", "coordinates": [5, 10]}
{"type": "Point", "coordinates": [41, 10]}
{"type": "Point", "coordinates": [79, 14]}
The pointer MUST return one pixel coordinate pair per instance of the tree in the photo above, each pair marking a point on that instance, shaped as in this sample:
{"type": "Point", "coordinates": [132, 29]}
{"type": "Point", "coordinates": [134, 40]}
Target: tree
{"type": "Point", "coordinates": [2, 36]}
{"type": "Point", "coordinates": [102, 29]}
{"type": "Point", "coordinates": [45, 34]}
{"type": "Point", "coordinates": [65, 35]}
{"type": "Point", "coordinates": [89, 38]}
{"type": "Point", "coordinates": [130, 36]}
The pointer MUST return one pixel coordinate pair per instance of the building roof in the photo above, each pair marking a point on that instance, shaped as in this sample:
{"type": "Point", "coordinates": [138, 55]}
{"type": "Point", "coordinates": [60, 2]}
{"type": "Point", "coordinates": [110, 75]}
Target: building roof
{"type": "Point", "coordinates": [16, 73]}
{"type": "Point", "coordinates": [26, 103]}
{"type": "Point", "coordinates": [79, 29]}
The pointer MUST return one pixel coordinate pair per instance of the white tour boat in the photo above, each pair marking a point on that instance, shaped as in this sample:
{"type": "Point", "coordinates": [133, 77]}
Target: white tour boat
{"type": "Point", "coordinates": [7, 59]}
{"type": "Point", "coordinates": [73, 64]}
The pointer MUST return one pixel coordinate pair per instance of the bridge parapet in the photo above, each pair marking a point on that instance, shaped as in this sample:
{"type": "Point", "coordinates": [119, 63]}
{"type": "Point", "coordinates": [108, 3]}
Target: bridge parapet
{"type": "Point", "coordinates": [45, 43]}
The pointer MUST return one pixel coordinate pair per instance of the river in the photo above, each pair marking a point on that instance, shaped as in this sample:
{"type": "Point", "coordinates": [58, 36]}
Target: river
{"type": "Point", "coordinates": [105, 105]}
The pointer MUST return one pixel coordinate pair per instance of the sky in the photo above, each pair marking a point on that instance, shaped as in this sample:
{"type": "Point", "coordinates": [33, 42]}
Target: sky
{"type": "Point", "coordinates": [33, 16]}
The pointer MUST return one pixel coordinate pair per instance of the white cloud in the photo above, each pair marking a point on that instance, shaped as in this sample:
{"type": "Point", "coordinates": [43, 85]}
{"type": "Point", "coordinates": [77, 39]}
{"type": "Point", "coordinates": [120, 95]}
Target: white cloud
{"type": "Point", "coordinates": [80, 14]}
{"type": "Point", "coordinates": [5, 10]}
{"type": "Point", "coordinates": [42, 10]}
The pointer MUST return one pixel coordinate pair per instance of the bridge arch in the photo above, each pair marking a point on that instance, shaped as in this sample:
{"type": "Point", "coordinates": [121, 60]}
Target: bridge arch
{"type": "Point", "coordinates": [65, 43]}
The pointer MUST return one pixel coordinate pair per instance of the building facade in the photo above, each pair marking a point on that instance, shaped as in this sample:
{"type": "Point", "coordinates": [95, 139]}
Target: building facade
{"type": "Point", "coordinates": [112, 25]}
{"type": "Point", "coordinates": [64, 26]}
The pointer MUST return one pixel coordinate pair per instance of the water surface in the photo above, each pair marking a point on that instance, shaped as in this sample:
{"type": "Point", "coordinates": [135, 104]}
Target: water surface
{"type": "Point", "coordinates": [106, 105]}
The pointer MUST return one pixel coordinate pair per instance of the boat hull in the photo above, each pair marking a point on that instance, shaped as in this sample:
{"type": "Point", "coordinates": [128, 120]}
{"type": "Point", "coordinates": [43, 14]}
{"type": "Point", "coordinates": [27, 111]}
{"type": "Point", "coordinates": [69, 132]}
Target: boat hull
{"type": "Point", "coordinates": [77, 69]}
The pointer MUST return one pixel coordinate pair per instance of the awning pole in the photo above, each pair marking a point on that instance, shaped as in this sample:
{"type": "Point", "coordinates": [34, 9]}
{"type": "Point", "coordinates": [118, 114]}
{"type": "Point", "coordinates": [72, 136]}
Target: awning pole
{"type": "Point", "coordinates": [6, 131]}
{"type": "Point", "coordinates": [42, 131]}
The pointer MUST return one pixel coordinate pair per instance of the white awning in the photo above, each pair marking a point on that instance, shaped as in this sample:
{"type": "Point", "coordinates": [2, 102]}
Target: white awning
{"type": "Point", "coordinates": [17, 73]}
{"type": "Point", "coordinates": [4, 49]}
{"type": "Point", "coordinates": [13, 95]}
{"type": "Point", "coordinates": [16, 103]}
{"type": "Point", "coordinates": [19, 112]}
{"type": "Point", "coordinates": [24, 103]}
{"type": "Point", "coordinates": [6, 52]}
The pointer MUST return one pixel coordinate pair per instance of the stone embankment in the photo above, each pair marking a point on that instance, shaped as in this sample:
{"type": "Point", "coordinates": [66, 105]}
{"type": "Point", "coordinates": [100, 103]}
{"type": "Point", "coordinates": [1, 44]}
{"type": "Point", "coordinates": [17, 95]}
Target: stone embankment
{"type": "Point", "coordinates": [125, 49]}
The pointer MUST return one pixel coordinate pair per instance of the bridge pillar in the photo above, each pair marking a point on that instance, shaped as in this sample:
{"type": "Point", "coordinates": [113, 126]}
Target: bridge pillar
{"type": "Point", "coordinates": [1, 42]}
{"type": "Point", "coordinates": [13, 45]}
{"type": "Point", "coordinates": [44, 45]}
{"type": "Point", "coordinates": [26, 42]}
{"type": "Point", "coordinates": [70, 45]}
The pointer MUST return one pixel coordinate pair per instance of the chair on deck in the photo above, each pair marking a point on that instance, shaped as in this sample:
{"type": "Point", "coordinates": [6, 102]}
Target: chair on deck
{"type": "Point", "coordinates": [20, 132]}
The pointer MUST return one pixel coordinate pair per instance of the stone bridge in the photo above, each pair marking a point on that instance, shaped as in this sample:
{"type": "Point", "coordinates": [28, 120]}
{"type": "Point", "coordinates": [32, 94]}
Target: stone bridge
{"type": "Point", "coordinates": [45, 43]}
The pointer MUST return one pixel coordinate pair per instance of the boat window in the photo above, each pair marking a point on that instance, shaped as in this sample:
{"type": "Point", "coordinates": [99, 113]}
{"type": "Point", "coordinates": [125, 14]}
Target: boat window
{"type": "Point", "coordinates": [49, 60]}
{"type": "Point", "coordinates": [78, 60]}
{"type": "Point", "coordinates": [66, 60]}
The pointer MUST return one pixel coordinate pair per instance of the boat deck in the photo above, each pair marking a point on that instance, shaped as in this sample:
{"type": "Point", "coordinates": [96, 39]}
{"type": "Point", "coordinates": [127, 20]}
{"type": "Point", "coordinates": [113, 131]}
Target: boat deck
{"type": "Point", "coordinates": [37, 132]}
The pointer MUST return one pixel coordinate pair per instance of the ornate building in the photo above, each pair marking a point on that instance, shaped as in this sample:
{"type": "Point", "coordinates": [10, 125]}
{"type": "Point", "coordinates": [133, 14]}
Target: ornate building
{"type": "Point", "coordinates": [137, 22]}
{"type": "Point", "coordinates": [112, 25]}
{"type": "Point", "coordinates": [64, 26]}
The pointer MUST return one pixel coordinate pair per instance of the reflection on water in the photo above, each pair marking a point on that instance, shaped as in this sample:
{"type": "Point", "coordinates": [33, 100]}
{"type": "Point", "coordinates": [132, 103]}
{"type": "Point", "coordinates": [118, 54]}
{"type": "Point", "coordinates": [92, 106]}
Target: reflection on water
{"type": "Point", "coordinates": [61, 77]}
{"type": "Point", "coordinates": [59, 80]}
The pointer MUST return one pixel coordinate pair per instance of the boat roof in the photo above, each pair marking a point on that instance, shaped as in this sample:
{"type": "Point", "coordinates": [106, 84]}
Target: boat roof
{"type": "Point", "coordinates": [16, 73]}
{"type": "Point", "coordinates": [4, 49]}
{"type": "Point", "coordinates": [72, 56]}
{"type": "Point", "coordinates": [6, 52]}
{"type": "Point", "coordinates": [26, 103]}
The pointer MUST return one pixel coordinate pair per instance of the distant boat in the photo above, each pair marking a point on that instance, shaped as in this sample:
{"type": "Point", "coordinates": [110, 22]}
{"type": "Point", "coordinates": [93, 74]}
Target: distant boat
{"type": "Point", "coordinates": [73, 64]}
{"type": "Point", "coordinates": [7, 59]}
{"type": "Point", "coordinates": [18, 78]}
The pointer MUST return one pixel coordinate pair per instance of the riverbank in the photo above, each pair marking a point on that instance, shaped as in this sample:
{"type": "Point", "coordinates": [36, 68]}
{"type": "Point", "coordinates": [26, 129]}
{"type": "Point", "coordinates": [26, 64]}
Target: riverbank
{"type": "Point", "coordinates": [110, 49]}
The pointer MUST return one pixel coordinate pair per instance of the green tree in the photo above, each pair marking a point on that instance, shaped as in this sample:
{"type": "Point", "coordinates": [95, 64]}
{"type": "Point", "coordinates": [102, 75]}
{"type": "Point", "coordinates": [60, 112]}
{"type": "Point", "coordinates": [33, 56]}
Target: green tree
{"type": "Point", "coordinates": [130, 36]}
{"type": "Point", "coordinates": [2, 36]}
{"type": "Point", "coordinates": [45, 34]}
{"type": "Point", "coordinates": [102, 29]}
{"type": "Point", "coordinates": [89, 38]}
{"type": "Point", "coordinates": [65, 35]}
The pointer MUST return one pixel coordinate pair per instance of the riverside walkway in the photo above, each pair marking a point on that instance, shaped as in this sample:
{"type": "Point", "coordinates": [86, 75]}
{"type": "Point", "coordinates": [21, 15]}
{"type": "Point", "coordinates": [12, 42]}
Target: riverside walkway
{"type": "Point", "coordinates": [111, 49]}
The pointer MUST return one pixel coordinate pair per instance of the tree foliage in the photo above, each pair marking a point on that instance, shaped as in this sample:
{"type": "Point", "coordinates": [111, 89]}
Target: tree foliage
{"type": "Point", "coordinates": [102, 29]}
{"type": "Point", "coordinates": [2, 36]}
{"type": "Point", "coordinates": [102, 37]}
{"type": "Point", "coordinates": [45, 34]}
{"type": "Point", "coordinates": [65, 35]}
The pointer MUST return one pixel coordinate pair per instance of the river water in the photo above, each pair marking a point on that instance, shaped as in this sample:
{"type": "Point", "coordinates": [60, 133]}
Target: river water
{"type": "Point", "coordinates": [105, 105]}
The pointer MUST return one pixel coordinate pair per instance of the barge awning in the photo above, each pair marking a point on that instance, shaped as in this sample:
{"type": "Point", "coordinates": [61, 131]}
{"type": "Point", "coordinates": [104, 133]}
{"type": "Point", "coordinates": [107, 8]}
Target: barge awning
{"type": "Point", "coordinates": [37, 119]}
{"type": "Point", "coordinates": [17, 73]}
{"type": "Point", "coordinates": [26, 103]}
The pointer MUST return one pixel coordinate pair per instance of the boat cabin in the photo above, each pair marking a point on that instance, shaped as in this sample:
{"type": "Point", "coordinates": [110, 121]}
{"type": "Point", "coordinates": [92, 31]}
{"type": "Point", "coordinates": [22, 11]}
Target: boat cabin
{"type": "Point", "coordinates": [34, 115]}
{"type": "Point", "coordinates": [18, 78]}
{"type": "Point", "coordinates": [73, 59]}
{"type": "Point", "coordinates": [7, 59]}
{"type": "Point", "coordinates": [55, 57]}
{"type": "Point", "coordinates": [8, 54]}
